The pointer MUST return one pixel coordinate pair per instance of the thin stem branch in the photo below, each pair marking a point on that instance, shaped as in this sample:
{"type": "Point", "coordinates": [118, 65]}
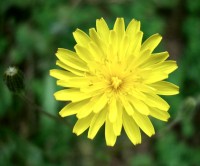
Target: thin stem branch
{"type": "Point", "coordinates": [39, 109]}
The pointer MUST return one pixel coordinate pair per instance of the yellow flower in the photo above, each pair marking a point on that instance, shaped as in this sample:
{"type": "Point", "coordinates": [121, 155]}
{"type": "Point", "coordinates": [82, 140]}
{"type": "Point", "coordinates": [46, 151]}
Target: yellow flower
{"type": "Point", "coordinates": [114, 78]}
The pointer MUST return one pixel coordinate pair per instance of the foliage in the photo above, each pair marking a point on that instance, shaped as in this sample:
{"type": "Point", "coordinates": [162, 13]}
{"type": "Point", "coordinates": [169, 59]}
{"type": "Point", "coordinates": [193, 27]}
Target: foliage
{"type": "Point", "coordinates": [31, 32]}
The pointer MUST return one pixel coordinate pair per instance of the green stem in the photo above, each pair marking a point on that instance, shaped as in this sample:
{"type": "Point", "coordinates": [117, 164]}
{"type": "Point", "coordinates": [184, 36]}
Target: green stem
{"type": "Point", "coordinates": [39, 109]}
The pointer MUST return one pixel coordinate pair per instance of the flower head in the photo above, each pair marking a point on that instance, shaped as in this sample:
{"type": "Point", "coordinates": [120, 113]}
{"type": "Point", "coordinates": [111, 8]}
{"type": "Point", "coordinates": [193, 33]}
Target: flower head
{"type": "Point", "coordinates": [14, 79]}
{"type": "Point", "coordinates": [114, 78]}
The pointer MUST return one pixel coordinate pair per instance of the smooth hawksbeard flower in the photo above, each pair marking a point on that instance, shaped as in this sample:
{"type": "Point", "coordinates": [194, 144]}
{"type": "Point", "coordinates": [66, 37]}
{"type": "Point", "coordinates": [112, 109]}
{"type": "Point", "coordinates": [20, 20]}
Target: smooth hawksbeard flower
{"type": "Point", "coordinates": [113, 78]}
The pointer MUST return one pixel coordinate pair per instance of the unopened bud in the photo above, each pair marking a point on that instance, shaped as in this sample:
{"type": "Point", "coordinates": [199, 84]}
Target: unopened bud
{"type": "Point", "coordinates": [14, 79]}
{"type": "Point", "coordinates": [189, 107]}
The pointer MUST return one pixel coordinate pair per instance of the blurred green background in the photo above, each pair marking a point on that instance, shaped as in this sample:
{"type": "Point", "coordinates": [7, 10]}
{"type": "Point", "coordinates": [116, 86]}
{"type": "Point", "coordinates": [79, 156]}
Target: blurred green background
{"type": "Point", "coordinates": [30, 33]}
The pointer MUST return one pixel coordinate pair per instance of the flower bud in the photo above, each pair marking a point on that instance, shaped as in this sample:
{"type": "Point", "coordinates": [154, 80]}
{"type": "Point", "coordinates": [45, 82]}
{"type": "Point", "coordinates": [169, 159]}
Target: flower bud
{"type": "Point", "coordinates": [189, 107]}
{"type": "Point", "coordinates": [14, 79]}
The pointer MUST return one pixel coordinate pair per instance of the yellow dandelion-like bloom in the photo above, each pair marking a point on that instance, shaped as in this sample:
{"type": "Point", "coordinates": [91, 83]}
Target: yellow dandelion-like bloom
{"type": "Point", "coordinates": [114, 78]}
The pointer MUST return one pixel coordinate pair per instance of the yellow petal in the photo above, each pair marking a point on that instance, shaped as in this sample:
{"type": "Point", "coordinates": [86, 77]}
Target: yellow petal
{"type": "Point", "coordinates": [73, 95]}
{"type": "Point", "coordinates": [127, 106]}
{"type": "Point", "coordinates": [102, 28]}
{"type": "Point", "coordinates": [117, 125]}
{"type": "Point", "coordinates": [135, 45]}
{"type": "Point", "coordinates": [143, 88]}
{"type": "Point", "coordinates": [156, 58]}
{"type": "Point", "coordinates": [119, 28]}
{"type": "Point", "coordinates": [133, 50]}
{"type": "Point", "coordinates": [95, 36]}
{"type": "Point", "coordinates": [82, 124]}
{"type": "Point", "coordinates": [123, 47]}
{"type": "Point", "coordinates": [97, 121]}
{"type": "Point", "coordinates": [85, 111]}
{"type": "Point", "coordinates": [144, 56]}
{"type": "Point", "coordinates": [150, 102]}
{"type": "Point", "coordinates": [131, 129]}
{"type": "Point", "coordinates": [167, 66]}
{"type": "Point", "coordinates": [151, 76]}
{"type": "Point", "coordinates": [109, 133]}
{"type": "Point", "coordinates": [96, 52]}
{"type": "Point", "coordinates": [97, 86]}
{"type": "Point", "coordinates": [144, 123]}
{"type": "Point", "coordinates": [154, 100]}
{"type": "Point", "coordinates": [61, 74]}
{"type": "Point", "coordinates": [72, 108]}
{"type": "Point", "coordinates": [71, 59]}
{"type": "Point", "coordinates": [165, 88]}
{"type": "Point", "coordinates": [74, 71]}
{"type": "Point", "coordinates": [139, 105]}
{"type": "Point", "coordinates": [83, 53]}
{"type": "Point", "coordinates": [113, 46]}
{"type": "Point", "coordinates": [112, 110]}
{"type": "Point", "coordinates": [133, 27]}
{"type": "Point", "coordinates": [100, 103]}
{"type": "Point", "coordinates": [97, 40]}
{"type": "Point", "coordinates": [152, 42]}
{"type": "Point", "coordinates": [81, 37]}
{"type": "Point", "coordinates": [138, 94]}
{"type": "Point", "coordinates": [76, 82]}
{"type": "Point", "coordinates": [161, 115]}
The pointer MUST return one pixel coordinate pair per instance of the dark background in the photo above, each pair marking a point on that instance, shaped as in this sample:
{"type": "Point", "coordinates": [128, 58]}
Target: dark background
{"type": "Point", "coordinates": [30, 33]}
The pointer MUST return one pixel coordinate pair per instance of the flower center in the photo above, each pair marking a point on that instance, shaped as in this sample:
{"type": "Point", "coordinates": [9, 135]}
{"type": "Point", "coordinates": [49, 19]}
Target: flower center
{"type": "Point", "coordinates": [116, 82]}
